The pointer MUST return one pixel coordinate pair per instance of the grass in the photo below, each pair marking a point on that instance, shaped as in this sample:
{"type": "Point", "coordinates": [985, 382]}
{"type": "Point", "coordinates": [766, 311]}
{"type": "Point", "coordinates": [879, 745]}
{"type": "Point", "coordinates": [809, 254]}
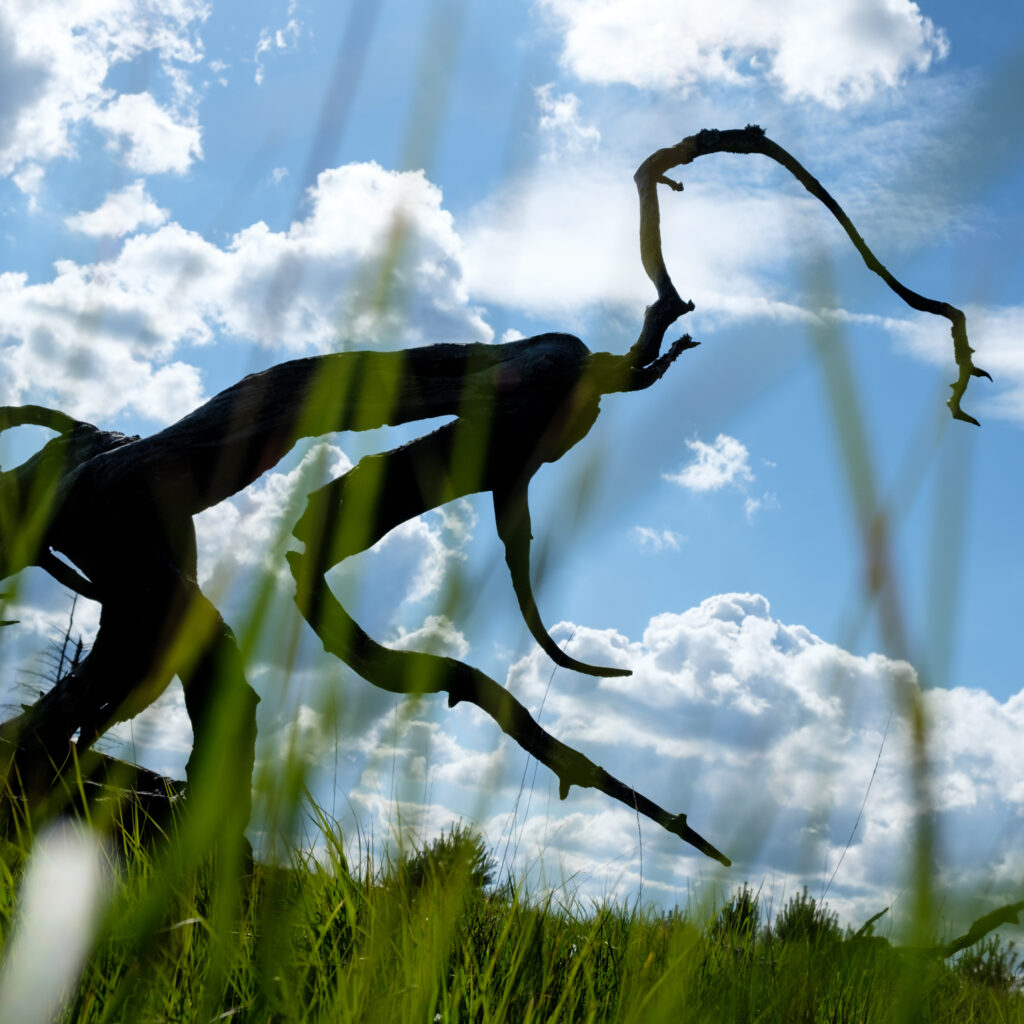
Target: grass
{"type": "Point", "coordinates": [429, 936]}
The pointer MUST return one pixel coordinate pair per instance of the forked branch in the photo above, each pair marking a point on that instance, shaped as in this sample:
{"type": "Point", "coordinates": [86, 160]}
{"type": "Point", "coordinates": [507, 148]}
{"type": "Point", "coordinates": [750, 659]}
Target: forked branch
{"type": "Point", "coordinates": [413, 672]}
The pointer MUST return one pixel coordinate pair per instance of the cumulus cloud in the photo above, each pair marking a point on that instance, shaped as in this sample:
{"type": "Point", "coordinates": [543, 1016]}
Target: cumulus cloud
{"type": "Point", "coordinates": [376, 262]}
{"type": "Point", "coordinates": [120, 213]}
{"type": "Point", "coordinates": [767, 736]}
{"type": "Point", "coordinates": [836, 53]}
{"type": "Point", "coordinates": [159, 736]}
{"type": "Point", "coordinates": [56, 58]}
{"type": "Point", "coordinates": [151, 139]}
{"type": "Point", "coordinates": [251, 530]}
{"type": "Point", "coordinates": [770, 738]}
{"type": "Point", "coordinates": [410, 564]}
{"type": "Point", "coordinates": [717, 465]}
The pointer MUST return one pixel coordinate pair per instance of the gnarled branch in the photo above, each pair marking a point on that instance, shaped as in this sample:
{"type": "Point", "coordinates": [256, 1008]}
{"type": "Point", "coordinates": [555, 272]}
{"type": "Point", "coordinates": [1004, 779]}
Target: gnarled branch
{"type": "Point", "coordinates": [752, 139]}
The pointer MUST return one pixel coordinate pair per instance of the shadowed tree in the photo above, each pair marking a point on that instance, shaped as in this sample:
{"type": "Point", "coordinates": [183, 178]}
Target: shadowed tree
{"type": "Point", "coordinates": [119, 510]}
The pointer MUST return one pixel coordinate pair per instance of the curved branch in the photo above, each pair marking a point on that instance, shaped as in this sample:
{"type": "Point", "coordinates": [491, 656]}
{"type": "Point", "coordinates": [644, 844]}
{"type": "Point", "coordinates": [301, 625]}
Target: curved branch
{"type": "Point", "coordinates": [409, 672]}
{"type": "Point", "coordinates": [37, 416]}
{"type": "Point", "coordinates": [512, 518]}
{"type": "Point", "coordinates": [753, 140]}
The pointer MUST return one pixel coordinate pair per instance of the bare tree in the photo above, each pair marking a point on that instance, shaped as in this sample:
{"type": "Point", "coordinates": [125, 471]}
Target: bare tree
{"type": "Point", "coordinates": [119, 511]}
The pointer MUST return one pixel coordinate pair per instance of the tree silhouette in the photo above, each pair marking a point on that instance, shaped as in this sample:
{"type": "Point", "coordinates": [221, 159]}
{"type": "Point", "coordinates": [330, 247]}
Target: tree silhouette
{"type": "Point", "coordinates": [119, 512]}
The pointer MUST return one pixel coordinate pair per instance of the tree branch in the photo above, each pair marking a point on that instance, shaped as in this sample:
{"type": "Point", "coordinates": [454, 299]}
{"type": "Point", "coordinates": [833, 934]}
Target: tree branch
{"type": "Point", "coordinates": [752, 139]}
{"type": "Point", "coordinates": [410, 672]}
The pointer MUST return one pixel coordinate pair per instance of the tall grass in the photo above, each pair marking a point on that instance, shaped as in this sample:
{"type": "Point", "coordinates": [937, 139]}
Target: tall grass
{"type": "Point", "coordinates": [429, 936]}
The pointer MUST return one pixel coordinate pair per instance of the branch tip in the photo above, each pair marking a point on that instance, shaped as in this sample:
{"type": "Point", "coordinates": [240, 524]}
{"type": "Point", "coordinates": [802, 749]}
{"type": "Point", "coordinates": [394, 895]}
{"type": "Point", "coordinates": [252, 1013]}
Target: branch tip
{"type": "Point", "coordinates": [749, 140]}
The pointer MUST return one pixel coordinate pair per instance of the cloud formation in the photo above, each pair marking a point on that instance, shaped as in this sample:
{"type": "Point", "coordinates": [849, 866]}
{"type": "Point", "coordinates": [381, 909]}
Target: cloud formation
{"type": "Point", "coordinates": [720, 464]}
{"type": "Point", "coordinates": [150, 138]}
{"type": "Point", "coordinates": [377, 261]}
{"type": "Point", "coordinates": [272, 40]}
{"type": "Point", "coordinates": [561, 124]}
{"type": "Point", "coordinates": [834, 53]}
{"type": "Point", "coordinates": [121, 213]}
{"type": "Point", "coordinates": [550, 244]}
{"type": "Point", "coordinates": [649, 539]}
{"type": "Point", "coordinates": [767, 736]}
{"type": "Point", "coordinates": [55, 59]}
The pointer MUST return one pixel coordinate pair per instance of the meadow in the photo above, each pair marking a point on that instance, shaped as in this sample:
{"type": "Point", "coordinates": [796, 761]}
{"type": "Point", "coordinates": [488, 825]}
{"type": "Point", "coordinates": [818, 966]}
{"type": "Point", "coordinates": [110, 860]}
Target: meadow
{"type": "Point", "coordinates": [430, 934]}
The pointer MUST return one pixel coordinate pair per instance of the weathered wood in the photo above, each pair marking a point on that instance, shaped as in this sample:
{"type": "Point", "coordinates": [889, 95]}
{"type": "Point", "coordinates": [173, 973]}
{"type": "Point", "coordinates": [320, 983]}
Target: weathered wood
{"type": "Point", "coordinates": [120, 510]}
{"type": "Point", "coordinates": [103, 788]}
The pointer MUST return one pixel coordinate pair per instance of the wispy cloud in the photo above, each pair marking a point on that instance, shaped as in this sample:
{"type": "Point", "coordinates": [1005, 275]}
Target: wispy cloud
{"type": "Point", "coordinates": [561, 124]}
{"type": "Point", "coordinates": [272, 40]}
{"type": "Point", "coordinates": [648, 539]}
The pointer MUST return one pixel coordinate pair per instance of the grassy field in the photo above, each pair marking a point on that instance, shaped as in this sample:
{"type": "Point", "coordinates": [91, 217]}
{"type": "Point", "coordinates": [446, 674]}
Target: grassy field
{"type": "Point", "coordinates": [433, 936]}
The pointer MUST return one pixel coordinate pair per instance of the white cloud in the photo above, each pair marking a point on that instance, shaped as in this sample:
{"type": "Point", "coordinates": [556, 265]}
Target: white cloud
{"type": "Point", "coordinates": [271, 40]}
{"type": "Point", "coordinates": [767, 736]}
{"type": "Point", "coordinates": [29, 179]}
{"type": "Point", "coordinates": [561, 124]}
{"type": "Point", "coordinates": [716, 465]}
{"type": "Point", "coordinates": [649, 539]}
{"type": "Point", "coordinates": [754, 505]}
{"type": "Point", "coordinates": [120, 213]}
{"type": "Point", "coordinates": [159, 736]}
{"type": "Point", "coordinates": [836, 53]}
{"type": "Point", "coordinates": [150, 137]}
{"type": "Point", "coordinates": [376, 262]}
{"type": "Point", "coordinates": [251, 530]}
{"type": "Point", "coordinates": [56, 57]}
{"type": "Point", "coordinates": [410, 563]}
{"type": "Point", "coordinates": [332, 274]}
{"type": "Point", "coordinates": [437, 635]}
{"type": "Point", "coordinates": [553, 243]}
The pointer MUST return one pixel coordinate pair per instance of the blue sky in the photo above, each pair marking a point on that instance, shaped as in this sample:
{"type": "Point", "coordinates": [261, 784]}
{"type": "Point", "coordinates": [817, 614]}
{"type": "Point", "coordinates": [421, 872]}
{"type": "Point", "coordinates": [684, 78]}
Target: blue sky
{"type": "Point", "coordinates": [191, 191]}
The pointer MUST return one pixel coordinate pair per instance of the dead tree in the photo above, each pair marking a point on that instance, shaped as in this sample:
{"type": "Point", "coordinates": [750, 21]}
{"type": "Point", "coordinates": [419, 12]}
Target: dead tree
{"type": "Point", "coordinates": [120, 509]}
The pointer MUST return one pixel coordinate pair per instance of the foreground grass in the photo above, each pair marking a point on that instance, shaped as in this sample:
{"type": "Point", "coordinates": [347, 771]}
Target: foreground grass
{"type": "Point", "coordinates": [428, 937]}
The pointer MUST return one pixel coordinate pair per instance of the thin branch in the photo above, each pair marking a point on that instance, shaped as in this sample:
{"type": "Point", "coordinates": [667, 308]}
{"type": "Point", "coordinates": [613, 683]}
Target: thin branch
{"type": "Point", "coordinates": [412, 672]}
{"type": "Point", "coordinates": [38, 416]}
{"type": "Point", "coordinates": [752, 139]}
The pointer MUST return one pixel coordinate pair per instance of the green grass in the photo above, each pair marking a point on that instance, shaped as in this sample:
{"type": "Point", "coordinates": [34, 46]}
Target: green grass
{"type": "Point", "coordinates": [429, 936]}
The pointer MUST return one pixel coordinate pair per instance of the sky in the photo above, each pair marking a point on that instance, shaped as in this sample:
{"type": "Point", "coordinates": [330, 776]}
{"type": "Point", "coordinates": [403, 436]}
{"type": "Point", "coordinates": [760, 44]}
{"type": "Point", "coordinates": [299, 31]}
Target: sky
{"type": "Point", "coordinates": [191, 191]}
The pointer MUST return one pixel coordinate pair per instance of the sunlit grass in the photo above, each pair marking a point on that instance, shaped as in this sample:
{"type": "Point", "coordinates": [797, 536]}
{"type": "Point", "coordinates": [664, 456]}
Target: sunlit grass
{"type": "Point", "coordinates": [432, 935]}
